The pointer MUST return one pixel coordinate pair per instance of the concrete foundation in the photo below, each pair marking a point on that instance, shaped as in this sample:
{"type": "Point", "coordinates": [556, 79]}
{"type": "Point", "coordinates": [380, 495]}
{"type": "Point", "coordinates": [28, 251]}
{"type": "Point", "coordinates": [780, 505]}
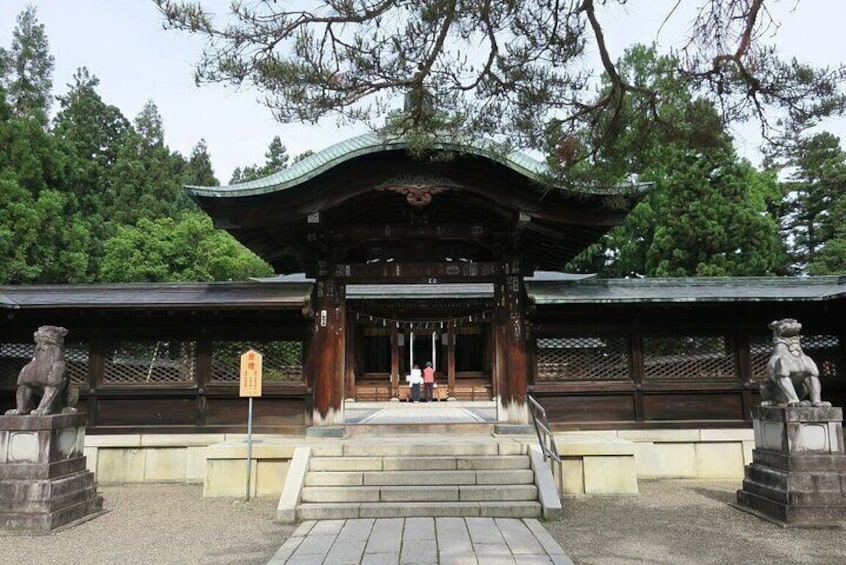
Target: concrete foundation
{"type": "Point", "coordinates": [798, 472]}
{"type": "Point", "coordinates": [44, 484]}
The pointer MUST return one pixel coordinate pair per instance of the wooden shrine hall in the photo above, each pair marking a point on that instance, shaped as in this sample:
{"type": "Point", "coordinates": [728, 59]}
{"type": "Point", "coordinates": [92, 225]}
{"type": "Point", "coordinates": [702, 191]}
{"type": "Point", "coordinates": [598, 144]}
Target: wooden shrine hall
{"type": "Point", "coordinates": [385, 260]}
{"type": "Point", "coordinates": [466, 221]}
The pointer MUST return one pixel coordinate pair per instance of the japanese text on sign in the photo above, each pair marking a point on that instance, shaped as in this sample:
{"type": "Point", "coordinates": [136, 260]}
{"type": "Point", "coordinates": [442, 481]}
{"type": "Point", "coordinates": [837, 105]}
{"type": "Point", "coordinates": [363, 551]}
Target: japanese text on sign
{"type": "Point", "coordinates": [250, 374]}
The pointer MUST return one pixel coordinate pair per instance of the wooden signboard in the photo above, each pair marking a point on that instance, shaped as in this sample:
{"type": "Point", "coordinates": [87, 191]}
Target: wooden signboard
{"type": "Point", "coordinates": [250, 374]}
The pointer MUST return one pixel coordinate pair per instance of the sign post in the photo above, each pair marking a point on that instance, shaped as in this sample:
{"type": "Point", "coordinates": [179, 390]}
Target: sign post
{"type": "Point", "coordinates": [250, 387]}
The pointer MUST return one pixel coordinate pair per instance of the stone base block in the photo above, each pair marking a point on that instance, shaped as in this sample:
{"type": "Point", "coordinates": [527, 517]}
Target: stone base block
{"type": "Point", "coordinates": [44, 483]}
{"type": "Point", "coordinates": [49, 522]}
{"type": "Point", "coordinates": [787, 515]}
{"type": "Point", "coordinates": [798, 472]}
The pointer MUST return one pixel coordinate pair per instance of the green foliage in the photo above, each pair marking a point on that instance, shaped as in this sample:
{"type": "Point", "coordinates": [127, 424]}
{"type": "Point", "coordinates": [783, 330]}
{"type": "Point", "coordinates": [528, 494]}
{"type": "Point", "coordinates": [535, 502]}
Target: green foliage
{"type": "Point", "coordinates": [715, 221]}
{"type": "Point", "coordinates": [198, 171]}
{"type": "Point", "coordinates": [90, 133]}
{"type": "Point", "coordinates": [276, 159]}
{"type": "Point", "coordinates": [26, 69]}
{"type": "Point", "coordinates": [831, 259]}
{"type": "Point", "coordinates": [183, 249]}
{"type": "Point", "coordinates": [708, 213]}
{"type": "Point", "coordinates": [40, 241]}
{"type": "Point", "coordinates": [33, 153]}
{"type": "Point", "coordinates": [66, 191]}
{"type": "Point", "coordinates": [817, 184]}
{"type": "Point", "coordinates": [146, 177]}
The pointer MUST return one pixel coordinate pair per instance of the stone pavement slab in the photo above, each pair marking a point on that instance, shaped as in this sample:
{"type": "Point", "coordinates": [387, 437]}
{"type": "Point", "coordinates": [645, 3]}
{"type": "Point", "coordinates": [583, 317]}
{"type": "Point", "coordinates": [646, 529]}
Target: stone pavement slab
{"type": "Point", "coordinates": [421, 541]}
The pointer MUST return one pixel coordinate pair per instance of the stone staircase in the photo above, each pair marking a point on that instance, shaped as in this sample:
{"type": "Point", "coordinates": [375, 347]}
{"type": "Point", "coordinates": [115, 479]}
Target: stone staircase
{"type": "Point", "coordinates": [408, 478]}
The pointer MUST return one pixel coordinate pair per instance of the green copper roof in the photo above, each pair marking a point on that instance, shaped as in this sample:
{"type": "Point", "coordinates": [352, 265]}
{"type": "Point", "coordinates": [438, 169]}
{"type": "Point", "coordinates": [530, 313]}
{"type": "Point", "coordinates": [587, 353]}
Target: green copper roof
{"type": "Point", "coordinates": [705, 289]}
{"type": "Point", "coordinates": [371, 143]}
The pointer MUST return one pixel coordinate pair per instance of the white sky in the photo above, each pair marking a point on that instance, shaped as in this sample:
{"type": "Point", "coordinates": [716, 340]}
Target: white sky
{"type": "Point", "coordinates": [122, 42]}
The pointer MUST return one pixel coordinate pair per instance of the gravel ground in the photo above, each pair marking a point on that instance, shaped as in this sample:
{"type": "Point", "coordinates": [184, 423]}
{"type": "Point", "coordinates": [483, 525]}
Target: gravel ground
{"type": "Point", "coordinates": [670, 522]}
{"type": "Point", "coordinates": [686, 522]}
{"type": "Point", "coordinates": [159, 524]}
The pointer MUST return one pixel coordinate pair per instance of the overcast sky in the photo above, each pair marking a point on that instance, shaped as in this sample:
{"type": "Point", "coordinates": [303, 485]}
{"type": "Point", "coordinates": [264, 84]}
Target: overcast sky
{"type": "Point", "coordinates": [122, 42]}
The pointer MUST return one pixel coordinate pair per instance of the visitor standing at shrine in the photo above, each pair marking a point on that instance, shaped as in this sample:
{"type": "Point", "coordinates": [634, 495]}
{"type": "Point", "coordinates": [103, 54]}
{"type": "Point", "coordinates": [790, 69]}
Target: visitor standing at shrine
{"type": "Point", "coordinates": [428, 381]}
{"type": "Point", "coordinates": [415, 380]}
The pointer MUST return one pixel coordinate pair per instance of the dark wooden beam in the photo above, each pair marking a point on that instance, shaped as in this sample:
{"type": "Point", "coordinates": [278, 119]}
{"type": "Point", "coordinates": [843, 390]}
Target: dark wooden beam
{"type": "Point", "coordinates": [431, 273]}
{"type": "Point", "coordinates": [403, 232]}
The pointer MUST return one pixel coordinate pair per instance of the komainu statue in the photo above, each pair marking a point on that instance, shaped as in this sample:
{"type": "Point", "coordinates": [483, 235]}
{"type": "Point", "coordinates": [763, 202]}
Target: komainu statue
{"type": "Point", "coordinates": [45, 378]}
{"type": "Point", "coordinates": [791, 375]}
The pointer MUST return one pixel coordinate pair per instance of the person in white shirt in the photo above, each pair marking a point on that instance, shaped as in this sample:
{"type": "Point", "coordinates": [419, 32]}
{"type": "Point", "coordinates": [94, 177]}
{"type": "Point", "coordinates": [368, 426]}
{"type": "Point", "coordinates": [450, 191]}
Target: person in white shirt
{"type": "Point", "coordinates": [415, 381]}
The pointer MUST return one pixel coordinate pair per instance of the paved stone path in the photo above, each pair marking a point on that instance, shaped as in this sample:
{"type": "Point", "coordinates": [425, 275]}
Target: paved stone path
{"type": "Point", "coordinates": [399, 541]}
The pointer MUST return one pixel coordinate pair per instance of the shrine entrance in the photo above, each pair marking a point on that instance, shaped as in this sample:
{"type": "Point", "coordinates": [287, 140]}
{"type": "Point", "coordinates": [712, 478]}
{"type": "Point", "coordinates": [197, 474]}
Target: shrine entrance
{"type": "Point", "coordinates": [462, 371]}
{"type": "Point", "coordinates": [449, 326]}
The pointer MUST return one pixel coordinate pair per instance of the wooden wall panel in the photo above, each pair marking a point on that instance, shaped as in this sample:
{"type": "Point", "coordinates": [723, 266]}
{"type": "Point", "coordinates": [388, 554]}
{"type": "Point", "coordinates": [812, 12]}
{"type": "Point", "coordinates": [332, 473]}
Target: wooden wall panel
{"type": "Point", "coordinates": [710, 406]}
{"type": "Point", "coordinates": [266, 412]}
{"type": "Point", "coordinates": [146, 411]}
{"type": "Point", "coordinates": [587, 408]}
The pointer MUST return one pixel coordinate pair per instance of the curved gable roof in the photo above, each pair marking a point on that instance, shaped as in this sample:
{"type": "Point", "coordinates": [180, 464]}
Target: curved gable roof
{"type": "Point", "coordinates": [343, 193]}
{"type": "Point", "coordinates": [370, 143]}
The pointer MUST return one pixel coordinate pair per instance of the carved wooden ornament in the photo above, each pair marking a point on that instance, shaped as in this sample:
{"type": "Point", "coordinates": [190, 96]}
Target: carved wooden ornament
{"type": "Point", "coordinates": [418, 191]}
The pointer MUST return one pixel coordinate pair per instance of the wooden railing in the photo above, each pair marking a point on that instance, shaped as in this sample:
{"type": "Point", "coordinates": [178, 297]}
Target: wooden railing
{"type": "Point", "coordinates": [546, 439]}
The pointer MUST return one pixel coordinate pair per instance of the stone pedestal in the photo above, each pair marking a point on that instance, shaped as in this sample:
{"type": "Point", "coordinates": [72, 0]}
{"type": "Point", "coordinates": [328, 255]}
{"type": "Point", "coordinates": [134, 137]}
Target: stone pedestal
{"type": "Point", "coordinates": [44, 484]}
{"type": "Point", "coordinates": [798, 472]}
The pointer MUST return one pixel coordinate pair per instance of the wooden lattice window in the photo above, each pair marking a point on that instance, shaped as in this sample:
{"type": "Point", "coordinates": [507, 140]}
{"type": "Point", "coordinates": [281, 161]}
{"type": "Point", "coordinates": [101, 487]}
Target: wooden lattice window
{"type": "Point", "coordinates": [688, 358]}
{"type": "Point", "coordinates": [584, 358]}
{"type": "Point", "coordinates": [150, 362]}
{"type": "Point", "coordinates": [823, 349]}
{"type": "Point", "coordinates": [13, 356]}
{"type": "Point", "coordinates": [76, 360]}
{"type": "Point", "coordinates": [760, 349]}
{"type": "Point", "coordinates": [282, 361]}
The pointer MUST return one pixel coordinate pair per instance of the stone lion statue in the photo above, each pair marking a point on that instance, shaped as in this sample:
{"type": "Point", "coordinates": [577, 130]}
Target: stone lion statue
{"type": "Point", "coordinates": [791, 375]}
{"type": "Point", "coordinates": [45, 378]}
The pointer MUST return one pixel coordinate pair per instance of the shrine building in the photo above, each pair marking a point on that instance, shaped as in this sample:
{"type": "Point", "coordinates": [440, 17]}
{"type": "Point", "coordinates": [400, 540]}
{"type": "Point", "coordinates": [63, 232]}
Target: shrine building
{"type": "Point", "coordinates": [384, 261]}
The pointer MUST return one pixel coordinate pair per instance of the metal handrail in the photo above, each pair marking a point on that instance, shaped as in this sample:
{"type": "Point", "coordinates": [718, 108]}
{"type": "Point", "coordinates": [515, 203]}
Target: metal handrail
{"type": "Point", "coordinates": [546, 439]}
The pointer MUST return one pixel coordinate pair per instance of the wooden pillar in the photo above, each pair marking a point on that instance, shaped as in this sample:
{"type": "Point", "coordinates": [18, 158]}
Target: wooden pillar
{"type": "Point", "coordinates": [512, 358]}
{"type": "Point", "coordinates": [203, 366]}
{"type": "Point", "coordinates": [96, 366]}
{"type": "Point", "coordinates": [395, 361]}
{"type": "Point", "coordinates": [326, 356]}
{"type": "Point", "coordinates": [744, 368]}
{"type": "Point", "coordinates": [349, 358]}
{"type": "Point", "coordinates": [636, 356]}
{"type": "Point", "coordinates": [450, 358]}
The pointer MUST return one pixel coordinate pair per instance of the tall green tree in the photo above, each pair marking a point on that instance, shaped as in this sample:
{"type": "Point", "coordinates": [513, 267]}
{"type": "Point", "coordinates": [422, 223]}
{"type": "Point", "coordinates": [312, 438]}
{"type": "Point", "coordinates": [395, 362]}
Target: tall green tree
{"type": "Point", "coordinates": [276, 159]}
{"type": "Point", "coordinates": [708, 213]}
{"type": "Point", "coordinates": [199, 171]}
{"type": "Point", "coordinates": [188, 248]}
{"type": "Point", "coordinates": [92, 131]}
{"type": "Point", "coordinates": [28, 68]}
{"type": "Point", "coordinates": [817, 183]}
{"type": "Point", "coordinates": [711, 219]}
{"type": "Point", "coordinates": [832, 258]}
{"type": "Point", "coordinates": [146, 176]}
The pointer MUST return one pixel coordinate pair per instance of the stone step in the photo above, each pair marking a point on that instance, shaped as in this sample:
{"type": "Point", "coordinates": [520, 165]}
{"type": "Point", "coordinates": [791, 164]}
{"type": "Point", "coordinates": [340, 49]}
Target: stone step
{"type": "Point", "coordinates": [442, 429]}
{"type": "Point", "coordinates": [433, 463]}
{"type": "Point", "coordinates": [418, 449]}
{"type": "Point", "coordinates": [450, 493]}
{"type": "Point", "coordinates": [406, 478]}
{"type": "Point", "coordinates": [418, 478]}
{"type": "Point", "coordinates": [337, 511]}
